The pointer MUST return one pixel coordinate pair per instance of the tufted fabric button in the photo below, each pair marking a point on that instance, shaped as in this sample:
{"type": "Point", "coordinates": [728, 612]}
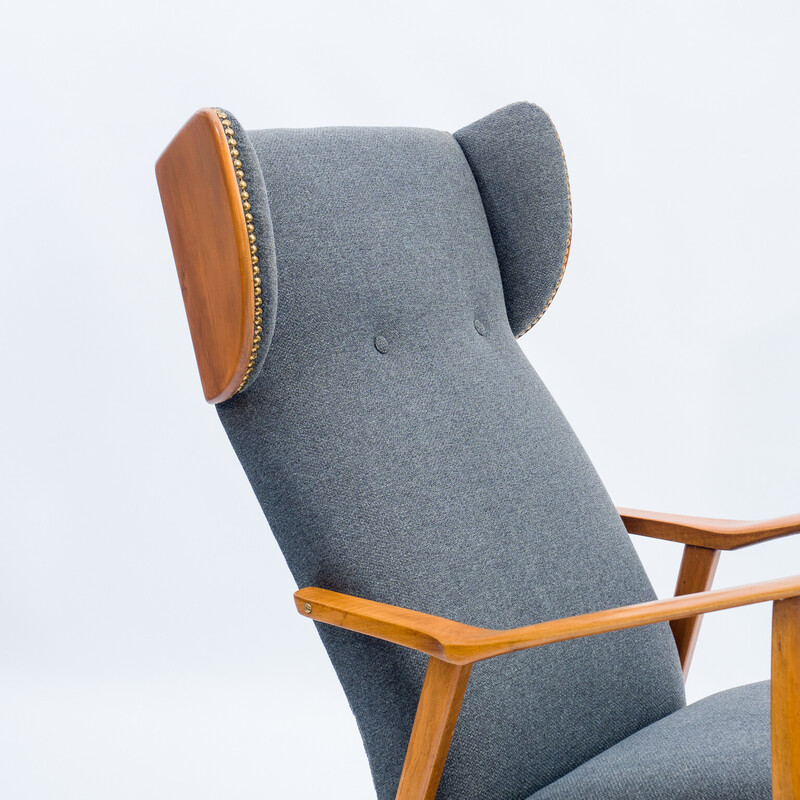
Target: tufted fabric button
{"type": "Point", "coordinates": [480, 327]}
{"type": "Point", "coordinates": [381, 345]}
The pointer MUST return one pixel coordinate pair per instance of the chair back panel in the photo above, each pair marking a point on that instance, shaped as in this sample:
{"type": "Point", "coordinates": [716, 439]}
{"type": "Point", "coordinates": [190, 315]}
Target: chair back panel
{"type": "Point", "coordinates": [404, 450]}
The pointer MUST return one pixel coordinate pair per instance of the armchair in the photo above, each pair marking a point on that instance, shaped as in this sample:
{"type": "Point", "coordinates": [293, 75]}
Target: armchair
{"type": "Point", "coordinates": [354, 297]}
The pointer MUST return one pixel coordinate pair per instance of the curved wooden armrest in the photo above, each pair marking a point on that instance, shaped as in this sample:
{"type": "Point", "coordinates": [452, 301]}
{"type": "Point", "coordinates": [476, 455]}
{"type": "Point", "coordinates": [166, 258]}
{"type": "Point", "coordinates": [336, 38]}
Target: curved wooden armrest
{"type": "Point", "coordinates": [457, 643]}
{"type": "Point", "coordinates": [716, 534]}
{"type": "Point", "coordinates": [423, 632]}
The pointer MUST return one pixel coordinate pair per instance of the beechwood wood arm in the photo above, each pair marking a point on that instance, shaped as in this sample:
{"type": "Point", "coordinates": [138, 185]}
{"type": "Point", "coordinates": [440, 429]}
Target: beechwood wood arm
{"type": "Point", "coordinates": [454, 647]}
{"type": "Point", "coordinates": [714, 534]}
{"type": "Point", "coordinates": [704, 539]}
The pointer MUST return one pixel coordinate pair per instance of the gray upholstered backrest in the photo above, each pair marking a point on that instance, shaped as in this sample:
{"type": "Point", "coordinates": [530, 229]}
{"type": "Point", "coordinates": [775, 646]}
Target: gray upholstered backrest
{"type": "Point", "coordinates": [404, 450]}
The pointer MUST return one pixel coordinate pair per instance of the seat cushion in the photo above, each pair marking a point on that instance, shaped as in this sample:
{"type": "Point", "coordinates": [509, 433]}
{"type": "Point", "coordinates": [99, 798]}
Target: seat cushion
{"type": "Point", "coordinates": [715, 749]}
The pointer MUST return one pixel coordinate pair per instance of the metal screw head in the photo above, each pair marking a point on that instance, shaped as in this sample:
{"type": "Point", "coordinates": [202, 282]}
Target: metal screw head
{"type": "Point", "coordinates": [307, 608]}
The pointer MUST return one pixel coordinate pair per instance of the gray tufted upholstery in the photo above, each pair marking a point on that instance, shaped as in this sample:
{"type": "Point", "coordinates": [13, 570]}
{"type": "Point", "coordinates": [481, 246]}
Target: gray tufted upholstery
{"type": "Point", "coordinates": [404, 450]}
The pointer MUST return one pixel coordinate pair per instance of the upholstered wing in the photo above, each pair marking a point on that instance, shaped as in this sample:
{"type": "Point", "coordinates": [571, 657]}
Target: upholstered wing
{"type": "Point", "coordinates": [516, 157]}
{"type": "Point", "coordinates": [404, 449]}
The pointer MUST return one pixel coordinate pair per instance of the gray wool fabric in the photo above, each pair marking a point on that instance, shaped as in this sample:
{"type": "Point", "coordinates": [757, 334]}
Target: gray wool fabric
{"type": "Point", "coordinates": [519, 166]}
{"type": "Point", "coordinates": [715, 749]}
{"type": "Point", "coordinates": [404, 450]}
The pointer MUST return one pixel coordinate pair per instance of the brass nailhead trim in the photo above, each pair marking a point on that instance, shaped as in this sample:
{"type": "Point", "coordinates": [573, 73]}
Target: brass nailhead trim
{"type": "Point", "coordinates": [569, 235]}
{"type": "Point", "coordinates": [258, 303]}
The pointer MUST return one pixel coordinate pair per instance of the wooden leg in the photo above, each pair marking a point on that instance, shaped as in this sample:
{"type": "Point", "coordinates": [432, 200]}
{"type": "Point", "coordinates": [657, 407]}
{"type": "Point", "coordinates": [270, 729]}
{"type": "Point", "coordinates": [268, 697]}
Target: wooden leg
{"type": "Point", "coordinates": [786, 699]}
{"type": "Point", "coordinates": [696, 575]}
{"type": "Point", "coordinates": [437, 714]}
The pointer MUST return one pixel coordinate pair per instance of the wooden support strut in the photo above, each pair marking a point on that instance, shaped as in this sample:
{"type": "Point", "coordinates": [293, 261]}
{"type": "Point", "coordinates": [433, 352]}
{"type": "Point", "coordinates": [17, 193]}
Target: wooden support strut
{"type": "Point", "coordinates": [698, 566]}
{"type": "Point", "coordinates": [786, 699]}
{"type": "Point", "coordinates": [437, 714]}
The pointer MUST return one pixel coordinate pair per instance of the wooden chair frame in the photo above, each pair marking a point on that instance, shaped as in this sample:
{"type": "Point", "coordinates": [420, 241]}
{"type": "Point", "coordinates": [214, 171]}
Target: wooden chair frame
{"type": "Point", "coordinates": [454, 647]}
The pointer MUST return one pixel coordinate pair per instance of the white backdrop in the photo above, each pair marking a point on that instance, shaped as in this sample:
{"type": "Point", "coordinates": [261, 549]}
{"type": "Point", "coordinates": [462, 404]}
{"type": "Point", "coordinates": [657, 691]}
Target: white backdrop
{"type": "Point", "coordinates": [148, 642]}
